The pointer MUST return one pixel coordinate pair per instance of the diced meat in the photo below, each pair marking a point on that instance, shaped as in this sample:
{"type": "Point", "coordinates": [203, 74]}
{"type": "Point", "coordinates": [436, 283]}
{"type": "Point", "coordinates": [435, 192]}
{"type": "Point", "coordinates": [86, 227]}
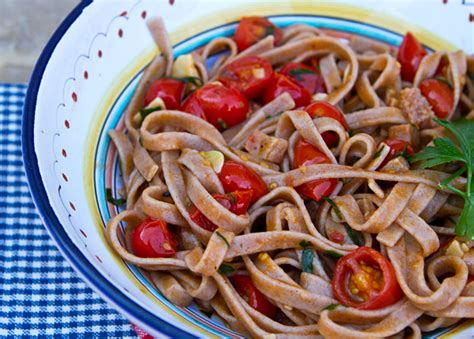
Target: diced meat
{"type": "Point", "coordinates": [416, 107]}
{"type": "Point", "coordinates": [266, 147]}
{"type": "Point", "coordinates": [406, 132]}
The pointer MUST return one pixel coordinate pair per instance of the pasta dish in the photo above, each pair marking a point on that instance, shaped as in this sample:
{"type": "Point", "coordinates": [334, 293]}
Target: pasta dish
{"type": "Point", "coordinates": [292, 183]}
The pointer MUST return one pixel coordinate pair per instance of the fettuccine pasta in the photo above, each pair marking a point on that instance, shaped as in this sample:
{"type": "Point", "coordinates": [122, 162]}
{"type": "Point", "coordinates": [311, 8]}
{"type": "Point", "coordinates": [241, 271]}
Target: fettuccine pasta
{"type": "Point", "coordinates": [273, 189]}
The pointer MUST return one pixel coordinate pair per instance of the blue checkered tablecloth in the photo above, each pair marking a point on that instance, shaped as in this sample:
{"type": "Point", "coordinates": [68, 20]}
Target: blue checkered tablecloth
{"type": "Point", "coordinates": [40, 295]}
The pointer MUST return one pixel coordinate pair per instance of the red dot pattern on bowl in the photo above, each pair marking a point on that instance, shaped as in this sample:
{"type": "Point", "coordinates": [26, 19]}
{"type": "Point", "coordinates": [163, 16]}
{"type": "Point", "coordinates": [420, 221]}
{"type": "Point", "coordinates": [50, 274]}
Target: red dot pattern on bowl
{"type": "Point", "coordinates": [98, 259]}
{"type": "Point", "coordinates": [65, 177]}
{"type": "Point", "coordinates": [72, 206]}
{"type": "Point", "coordinates": [86, 75]}
{"type": "Point", "coordinates": [74, 96]}
{"type": "Point", "coordinates": [120, 33]}
{"type": "Point", "coordinates": [83, 233]}
{"type": "Point", "coordinates": [64, 153]}
{"type": "Point", "coordinates": [66, 123]}
{"type": "Point", "coordinates": [99, 53]}
{"type": "Point", "coordinates": [124, 13]}
{"type": "Point", "coordinates": [144, 14]}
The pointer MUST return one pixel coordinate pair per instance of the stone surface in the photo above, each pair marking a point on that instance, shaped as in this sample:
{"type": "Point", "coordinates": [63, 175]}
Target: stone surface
{"type": "Point", "coordinates": [25, 27]}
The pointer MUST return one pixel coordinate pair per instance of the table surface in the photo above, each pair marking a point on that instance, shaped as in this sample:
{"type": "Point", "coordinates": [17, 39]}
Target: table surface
{"type": "Point", "coordinates": [24, 33]}
{"type": "Point", "coordinates": [39, 292]}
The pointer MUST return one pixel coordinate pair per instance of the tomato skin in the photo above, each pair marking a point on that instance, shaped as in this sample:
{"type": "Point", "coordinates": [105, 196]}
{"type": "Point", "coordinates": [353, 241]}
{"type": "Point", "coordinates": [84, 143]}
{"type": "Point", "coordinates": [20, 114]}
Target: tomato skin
{"type": "Point", "coordinates": [193, 106]}
{"type": "Point", "coordinates": [245, 287]}
{"type": "Point", "coordinates": [305, 155]}
{"type": "Point", "coordinates": [311, 80]}
{"type": "Point", "coordinates": [410, 54]}
{"type": "Point", "coordinates": [325, 109]}
{"type": "Point", "coordinates": [439, 95]}
{"type": "Point", "coordinates": [281, 84]}
{"type": "Point", "coordinates": [152, 239]}
{"type": "Point", "coordinates": [253, 29]}
{"type": "Point", "coordinates": [171, 91]}
{"type": "Point", "coordinates": [237, 202]}
{"type": "Point", "coordinates": [221, 106]}
{"type": "Point", "coordinates": [397, 147]}
{"type": "Point", "coordinates": [237, 177]}
{"type": "Point", "coordinates": [350, 264]}
{"type": "Point", "coordinates": [241, 75]}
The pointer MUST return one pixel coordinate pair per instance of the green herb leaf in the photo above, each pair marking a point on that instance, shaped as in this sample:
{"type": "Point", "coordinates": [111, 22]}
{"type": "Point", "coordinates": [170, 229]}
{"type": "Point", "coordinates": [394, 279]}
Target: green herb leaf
{"type": "Point", "coordinates": [231, 198]}
{"type": "Point", "coordinates": [144, 112]}
{"type": "Point", "coordinates": [351, 132]}
{"type": "Point", "coordinates": [222, 123]}
{"type": "Point", "coordinates": [378, 153]}
{"type": "Point", "coordinates": [330, 307]}
{"type": "Point", "coordinates": [223, 238]}
{"type": "Point", "coordinates": [269, 30]}
{"type": "Point", "coordinates": [268, 117]}
{"type": "Point", "coordinates": [335, 207]}
{"type": "Point", "coordinates": [307, 260]}
{"type": "Point", "coordinates": [197, 81]}
{"type": "Point", "coordinates": [446, 151]}
{"type": "Point", "coordinates": [207, 313]}
{"type": "Point", "coordinates": [354, 235]}
{"type": "Point", "coordinates": [332, 254]}
{"type": "Point", "coordinates": [112, 200]}
{"type": "Point", "coordinates": [226, 269]}
{"type": "Point", "coordinates": [304, 243]}
{"type": "Point", "coordinates": [298, 72]}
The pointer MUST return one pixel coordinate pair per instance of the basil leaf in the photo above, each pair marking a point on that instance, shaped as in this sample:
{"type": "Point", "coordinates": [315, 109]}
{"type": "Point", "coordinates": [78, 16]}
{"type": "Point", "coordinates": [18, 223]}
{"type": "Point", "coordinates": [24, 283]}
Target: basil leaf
{"type": "Point", "coordinates": [298, 72]}
{"type": "Point", "coordinates": [332, 254]}
{"type": "Point", "coordinates": [144, 112]}
{"type": "Point", "coordinates": [226, 269]}
{"type": "Point", "coordinates": [223, 238]}
{"type": "Point", "coordinates": [197, 81]}
{"type": "Point", "coordinates": [335, 207]}
{"type": "Point", "coordinates": [354, 235]}
{"type": "Point", "coordinates": [330, 307]}
{"type": "Point", "coordinates": [112, 200]}
{"type": "Point", "coordinates": [307, 260]}
{"type": "Point", "coordinates": [304, 243]}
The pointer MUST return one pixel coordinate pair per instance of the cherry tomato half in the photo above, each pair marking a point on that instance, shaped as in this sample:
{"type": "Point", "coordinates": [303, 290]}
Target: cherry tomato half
{"type": "Point", "coordinates": [253, 29]}
{"type": "Point", "coordinates": [152, 239]}
{"type": "Point", "coordinates": [305, 155]}
{"type": "Point", "coordinates": [245, 287]}
{"type": "Point", "coordinates": [410, 54]}
{"type": "Point", "coordinates": [281, 84]}
{"type": "Point", "coordinates": [366, 280]}
{"type": "Point", "coordinates": [171, 91]}
{"type": "Point", "coordinates": [250, 75]}
{"type": "Point", "coordinates": [237, 177]}
{"type": "Point", "coordinates": [237, 202]}
{"type": "Point", "coordinates": [439, 95]}
{"type": "Point", "coordinates": [306, 76]}
{"type": "Point", "coordinates": [221, 106]}
{"type": "Point", "coordinates": [397, 147]}
{"type": "Point", "coordinates": [325, 109]}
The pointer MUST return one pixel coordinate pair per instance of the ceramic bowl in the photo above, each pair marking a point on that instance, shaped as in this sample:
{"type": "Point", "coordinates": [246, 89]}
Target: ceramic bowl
{"type": "Point", "coordinates": [84, 80]}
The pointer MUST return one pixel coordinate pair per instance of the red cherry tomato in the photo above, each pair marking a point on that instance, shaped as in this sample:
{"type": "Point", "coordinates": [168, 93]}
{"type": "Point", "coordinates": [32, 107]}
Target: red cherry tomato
{"type": "Point", "coordinates": [171, 91]}
{"type": "Point", "coordinates": [306, 76]}
{"type": "Point", "coordinates": [221, 106]}
{"type": "Point", "coordinates": [281, 84]}
{"type": "Point", "coordinates": [336, 236]}
{"type": "Point", "coordinates": [250, 75]}
{"type": "Point", "coordinates": [366, 280]}
{"type": "Point", "coordinates": [439, 95]}
{"type": "Point", "coordinates": [245, 287]}
{"type": "Point", "coordinates": [325, 109]}
{"type": "Point", "coordinates": [397, 148]}
{"type": "Point", "coordinates": [305, 155]}
{"type": "Point", "coordinates": [253, 29]}
{"type": "Point", "coordinates": [237, 202]}
{"type": "Point", "coordinates": [152, 239]}
{"type": "Point", "coordinates": [410, 54]}
{"type": "Point", "coordinates": [236, 177]}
